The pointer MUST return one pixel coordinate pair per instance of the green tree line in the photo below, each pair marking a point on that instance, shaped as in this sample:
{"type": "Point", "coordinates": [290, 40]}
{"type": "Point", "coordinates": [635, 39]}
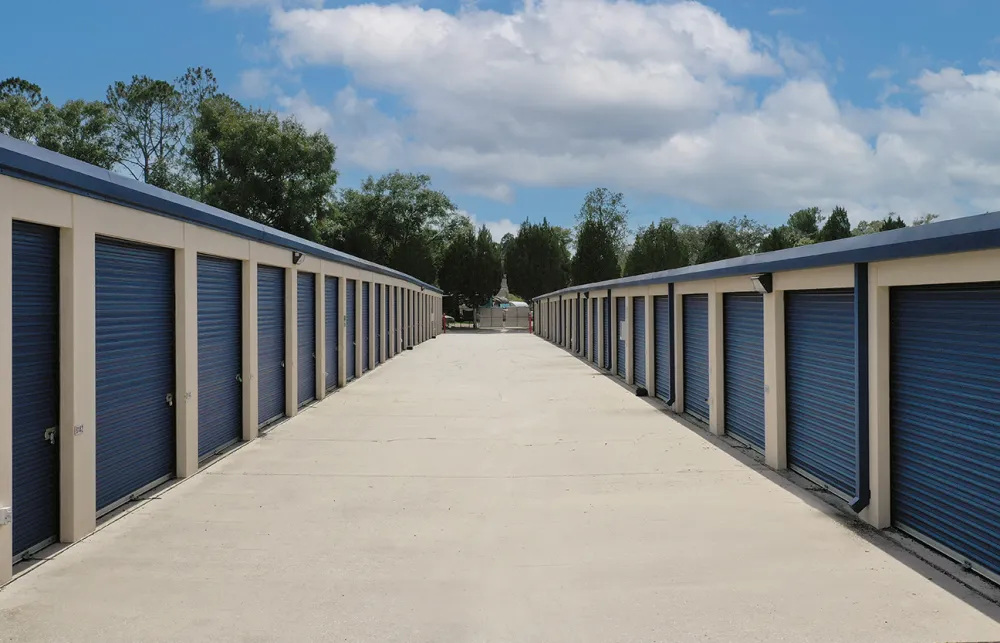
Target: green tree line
{"type": "Point", "coordinates": [187, 136]}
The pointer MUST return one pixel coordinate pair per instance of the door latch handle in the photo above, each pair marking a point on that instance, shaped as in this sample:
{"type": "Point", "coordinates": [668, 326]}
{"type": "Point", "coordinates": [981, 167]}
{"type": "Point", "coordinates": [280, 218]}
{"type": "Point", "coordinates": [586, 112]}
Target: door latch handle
{"type": "Point", "coordinates": [239, 378]}
{"type": "Point", "coordinates": [170, 399]}
{"type": "Point", "coordinates": [50, 435]}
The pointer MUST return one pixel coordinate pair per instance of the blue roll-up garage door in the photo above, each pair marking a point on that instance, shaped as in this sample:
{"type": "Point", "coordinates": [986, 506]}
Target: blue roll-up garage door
{"type": "Point", "coordinates": [945, 414]}
{"type": "Point", "coordinates": [562, 322]}
{"type": "Point", "coordinates": [581, 334]}
{"type": "Point", "coordinates": [270, 344]}
{"type": "Point", "coordinates": [639, 341]}
{"type": "Point", "coordinates": [136, 436]}
{"type": "Point", "coordinates": [35, 393]}
{"type": "Point", "coordinates": [352, 328]}
{"type": "Point", "coordinates": [306, 316]}
{"type": "Point", "coordinates": [366, 331]}
{"type": "Point", "coordinates": [743, 348]}
{"type": "Point", "coordinates": [696, 356]}
{"type": "Point", "coordinates": [378, 324]}
{"type": "Point", "coordinates": [620, 335]}
{"type": "Point", "coordinates": [396, 336]}
{"type": "Point", "coordinates": [220, 354]}
{"type": "Point", "coordinates": [594, 326]}
{"type": "Point", "coordinates": [819, 386]}
{"type": "Point", "coordinates": [607, 332]}
{"type": "Point", "coordinates": [332, 311]}
{"type": "Point", "coordinates": [661, 347]}
{"type": "Point", "coordinates": [583, 326]}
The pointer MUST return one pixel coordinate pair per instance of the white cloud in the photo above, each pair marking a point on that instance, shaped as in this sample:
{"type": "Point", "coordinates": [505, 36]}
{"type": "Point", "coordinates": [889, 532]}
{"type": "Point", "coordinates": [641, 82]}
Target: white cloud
{"type": "Point", "coordinates": [257, 83]}
{"type": "Point", "coordinates": [652, 97]}
{"type": "Point", "coordinates": [786, 11]}
{"type": "Point", "coordinates": [313, 117]}
{"type": "Point", "coordinates": [497, 228]}
{"type": "Point", "coordinates": [272, 4]}
{"type": "Point", "coordinates": [881, 73]}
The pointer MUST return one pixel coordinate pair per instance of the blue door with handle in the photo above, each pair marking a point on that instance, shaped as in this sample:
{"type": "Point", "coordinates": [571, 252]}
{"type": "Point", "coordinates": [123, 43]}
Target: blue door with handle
{"type": "Point", "coordinates": [696, 356]}
{"type": "Point", "coordinates": [332, 304]}
{"type": "Point", "coordinates": [220, 354]}
{"type": "Point", "coordinates": [306, 317]}
{"type": "Point", "coordinates": [743, 347]}
{"type": "Point", "coordinates": [35, 380]}
{"type": "Point", "coordinates": [135, 375]}
{"type": "Point", "coordinates": [270, 344]}
{"type": "Point", "coordinates": [350, 320]}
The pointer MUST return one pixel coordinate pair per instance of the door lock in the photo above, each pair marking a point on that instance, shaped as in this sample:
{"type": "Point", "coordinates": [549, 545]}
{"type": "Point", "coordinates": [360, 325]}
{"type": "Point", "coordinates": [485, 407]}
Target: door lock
{"type": "Point", "coordinates": [239, 378]}
{"type": "Point", "coordinates": [50, 435]}
{"type": "Point", "coordinates": [170, 399]}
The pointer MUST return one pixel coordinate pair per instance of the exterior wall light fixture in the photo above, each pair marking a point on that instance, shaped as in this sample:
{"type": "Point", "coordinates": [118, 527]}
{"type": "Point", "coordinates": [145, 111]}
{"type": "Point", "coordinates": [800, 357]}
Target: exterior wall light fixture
{"type": "Point", "coordinates": [297, 257]}
{"type": "Point", "coordinates": [763, 283]}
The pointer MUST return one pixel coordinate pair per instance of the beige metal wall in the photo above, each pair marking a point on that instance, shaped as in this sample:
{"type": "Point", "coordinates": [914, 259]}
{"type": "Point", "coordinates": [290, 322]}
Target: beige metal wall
{"type": "Point", "coordinates": [80, 220]}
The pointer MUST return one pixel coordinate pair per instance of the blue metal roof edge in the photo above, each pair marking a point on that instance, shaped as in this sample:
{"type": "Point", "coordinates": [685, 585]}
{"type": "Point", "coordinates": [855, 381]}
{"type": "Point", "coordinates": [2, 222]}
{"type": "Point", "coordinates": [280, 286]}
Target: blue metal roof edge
{"type": "Point", "coordinates": [23, 160]}
{"type": "Point", "coordinates": [965, 234]}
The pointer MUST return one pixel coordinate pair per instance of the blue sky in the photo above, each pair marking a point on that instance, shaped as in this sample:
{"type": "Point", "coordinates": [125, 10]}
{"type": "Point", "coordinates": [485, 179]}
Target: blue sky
{"type": "Point", "coordinates": [697, 111]}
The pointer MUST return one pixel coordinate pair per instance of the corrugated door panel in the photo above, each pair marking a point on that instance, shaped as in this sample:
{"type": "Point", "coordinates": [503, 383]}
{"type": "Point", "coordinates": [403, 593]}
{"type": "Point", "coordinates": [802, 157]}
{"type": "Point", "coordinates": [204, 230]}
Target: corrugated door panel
{"type": "Point", "coordinates": [135, 316]}
{"type": "Point", "coordinates": [580, 333]}
{"type": "Point", "coordinates": [607, 332]}
{"type": "Point", "coordinates": [945, 414]}
{"type": "Point", "coordinates": [35, 393]}
{"type": "Point", "coordinates": [351, 322]}
{"type": "Point", "coordinates": [620, 335]}
{"type": "Point", "coordinates": [661, 349]}
{"type": "Point", "coordinates": [583, 325]}
{"type": "Point", "coordinates": [743, 349]}
{"type": "Point", "coordinates": [220, 353]}
{"type": "Point", "coordinates": [332, 305]}
{"type": "Point", "coordinates": [562, 322]}
{"type": "Point", "coordinates": [819, 380]}
{"type": "Point", "coordinates": [270, 344]}
{"type": "Point", "coordinates": [378, 324]}
{"type": "Point", "coordinates": [366, 332]}
{"type": "Point", "coordinates": [306, 316]}
{"type": "Point", "coordinates": [696, 356]}
{"type": "Point", "coordinates": [594, 325]}
{"type": "Point", "coordinates": [639, 341]}
{"type": "Point", "coordinates": [395, 316]}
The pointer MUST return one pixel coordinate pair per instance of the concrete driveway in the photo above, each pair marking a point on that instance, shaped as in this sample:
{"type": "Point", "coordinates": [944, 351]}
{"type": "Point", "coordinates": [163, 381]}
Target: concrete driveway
{"type": "Point", "coordinates": [487, 488]}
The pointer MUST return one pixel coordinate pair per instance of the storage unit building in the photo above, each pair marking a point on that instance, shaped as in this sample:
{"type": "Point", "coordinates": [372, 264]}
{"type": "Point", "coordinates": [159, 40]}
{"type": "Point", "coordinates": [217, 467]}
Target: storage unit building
{"type": "Point", "coordinates": [773, 349]}
{"type": "Point", "coordinates": [35, 386]}
{"type": "Point", "coordinates": [743, 341]}
{"type": "Point", "coordinates": [220, 354]}
{"type": "Point", "coordinates": [696, 356]}
{"type": "Point", "coordinates": [270, 344]}
{"type": "Point", "coordinates": [306, 297]}
{"type": "Point", "coordinates": [161, 339]}
{"type": "Point", "coordinates": [820, 387]}
{"type": "Point", "coordinates": [135, 378]}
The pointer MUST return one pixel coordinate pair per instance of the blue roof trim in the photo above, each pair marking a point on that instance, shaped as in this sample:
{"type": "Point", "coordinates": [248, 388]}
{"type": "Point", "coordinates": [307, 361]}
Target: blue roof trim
{"type": "Point", "coordinates": [980, 232]}
{"type": "Point", "coordinates": [25, 161]}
